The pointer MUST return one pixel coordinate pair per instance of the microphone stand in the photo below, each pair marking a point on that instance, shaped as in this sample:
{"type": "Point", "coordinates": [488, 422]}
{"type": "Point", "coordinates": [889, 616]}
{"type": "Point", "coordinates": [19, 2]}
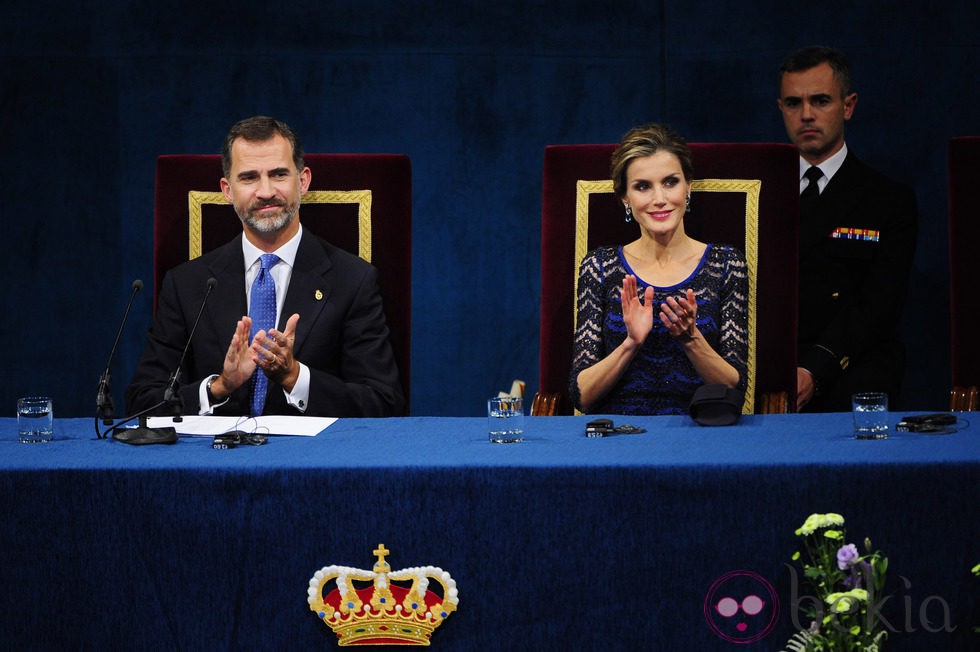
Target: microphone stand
{"type": "Point", "coordinates": [104, 408]}
{"type": "Point", "coordinates": [143, 434]}
{"type": "Point", "coordinates": [171, 395]}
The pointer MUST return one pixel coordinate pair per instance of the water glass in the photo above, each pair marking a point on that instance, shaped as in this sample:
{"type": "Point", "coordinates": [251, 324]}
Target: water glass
{"type": "Point", "coordinates": [35, 419]}
{"type": "Point", "coordinates": [870, 415]}
{"type": "Point", "coordinates": [506, 417]}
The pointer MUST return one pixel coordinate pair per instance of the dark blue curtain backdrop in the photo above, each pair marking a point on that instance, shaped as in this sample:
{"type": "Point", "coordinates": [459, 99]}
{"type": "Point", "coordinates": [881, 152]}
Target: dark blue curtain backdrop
{"type": "Point", "coordinates": [91, 94]}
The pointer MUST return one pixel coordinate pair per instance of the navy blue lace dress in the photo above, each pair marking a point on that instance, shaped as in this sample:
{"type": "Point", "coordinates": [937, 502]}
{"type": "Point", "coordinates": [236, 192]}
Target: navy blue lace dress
{"type": "Point", "coordinates": [660, 379]}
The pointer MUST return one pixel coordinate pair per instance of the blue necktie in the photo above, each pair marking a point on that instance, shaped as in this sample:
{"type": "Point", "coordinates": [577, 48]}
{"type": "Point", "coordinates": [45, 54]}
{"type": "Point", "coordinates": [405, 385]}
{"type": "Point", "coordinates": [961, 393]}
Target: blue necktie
{"type": "Point", "coordinates": [263, 313]}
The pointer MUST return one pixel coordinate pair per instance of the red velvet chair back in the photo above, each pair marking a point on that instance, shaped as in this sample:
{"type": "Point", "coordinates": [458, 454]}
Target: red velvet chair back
{"type": "Point", "coordinates": [964, 275]}
{"type": "Point", "coordinates": [359, 202]}
{"type": "Point", "coordinates": [746, 195]}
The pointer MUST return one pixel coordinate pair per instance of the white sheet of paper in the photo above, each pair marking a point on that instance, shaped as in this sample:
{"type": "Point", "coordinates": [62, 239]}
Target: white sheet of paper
{"type": "Point", "coordinates": [209, 426]}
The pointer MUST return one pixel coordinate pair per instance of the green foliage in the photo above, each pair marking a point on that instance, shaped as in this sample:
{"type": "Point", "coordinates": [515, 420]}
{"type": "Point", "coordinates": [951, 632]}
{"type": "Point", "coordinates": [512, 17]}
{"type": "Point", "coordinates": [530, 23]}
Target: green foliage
{"type": "Point", "coordinates": [845, 583]}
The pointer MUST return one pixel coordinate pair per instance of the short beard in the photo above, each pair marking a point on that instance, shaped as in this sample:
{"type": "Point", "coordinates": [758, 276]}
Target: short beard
{"type": "Point", "coordinates": [269, 224]}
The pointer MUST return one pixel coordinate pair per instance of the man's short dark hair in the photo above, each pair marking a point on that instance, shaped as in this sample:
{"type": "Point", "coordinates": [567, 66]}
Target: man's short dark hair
{"type": "Point", "coordinates": [258, 129]}
{"type": "Point", "coordinates": [814, 55]}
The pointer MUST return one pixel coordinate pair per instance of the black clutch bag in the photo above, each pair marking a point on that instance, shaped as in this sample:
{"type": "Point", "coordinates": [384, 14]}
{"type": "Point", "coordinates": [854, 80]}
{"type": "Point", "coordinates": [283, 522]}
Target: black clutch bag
{"type": "Point", "coordinates": [716, 405]}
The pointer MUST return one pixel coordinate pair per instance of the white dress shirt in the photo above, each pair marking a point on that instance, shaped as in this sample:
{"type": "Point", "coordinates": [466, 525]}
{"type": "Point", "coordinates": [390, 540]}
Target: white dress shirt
{"type": "Point", "coordinates": [828, 167]}
{"type": "Point", "coordinates": [281, 272]}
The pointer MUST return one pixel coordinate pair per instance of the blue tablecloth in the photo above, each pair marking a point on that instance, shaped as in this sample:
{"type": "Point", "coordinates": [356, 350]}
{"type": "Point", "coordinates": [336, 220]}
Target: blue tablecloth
{"type": "Point", "coordinates": [560, 542]}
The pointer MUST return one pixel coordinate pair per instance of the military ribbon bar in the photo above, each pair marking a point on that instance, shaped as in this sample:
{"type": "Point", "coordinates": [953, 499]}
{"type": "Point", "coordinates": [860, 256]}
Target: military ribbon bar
{"type": "Point", "coordinates": [848, 233]}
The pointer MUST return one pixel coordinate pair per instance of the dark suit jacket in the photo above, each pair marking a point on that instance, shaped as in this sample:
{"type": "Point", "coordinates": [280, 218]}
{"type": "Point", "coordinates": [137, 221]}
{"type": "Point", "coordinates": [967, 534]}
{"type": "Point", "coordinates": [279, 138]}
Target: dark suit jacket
{"type": "Point", "coordinates": [341, 335]}
{"type": "Point", "coordinates": [852, 292]}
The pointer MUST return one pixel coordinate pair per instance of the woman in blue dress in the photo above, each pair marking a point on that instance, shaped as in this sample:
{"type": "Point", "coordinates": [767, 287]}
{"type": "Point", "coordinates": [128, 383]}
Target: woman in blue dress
{"type": "Point", "coordinates": [664, 314]}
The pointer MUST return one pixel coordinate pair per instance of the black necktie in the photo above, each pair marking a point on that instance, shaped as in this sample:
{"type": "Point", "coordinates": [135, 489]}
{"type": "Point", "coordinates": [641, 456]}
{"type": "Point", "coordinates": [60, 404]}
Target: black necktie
{"type": "Point", "coordinates": [811, 191]}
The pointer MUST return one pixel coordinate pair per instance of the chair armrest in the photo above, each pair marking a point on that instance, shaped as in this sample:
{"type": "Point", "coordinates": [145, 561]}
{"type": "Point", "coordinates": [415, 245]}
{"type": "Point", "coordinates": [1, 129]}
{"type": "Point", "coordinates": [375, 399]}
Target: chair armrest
{"type": "Point", "coordinates": [545, 404]}
{"type": "Point", "coordinates": [964, 399]}
{"type": "Point", "coordinates": [775, 403]}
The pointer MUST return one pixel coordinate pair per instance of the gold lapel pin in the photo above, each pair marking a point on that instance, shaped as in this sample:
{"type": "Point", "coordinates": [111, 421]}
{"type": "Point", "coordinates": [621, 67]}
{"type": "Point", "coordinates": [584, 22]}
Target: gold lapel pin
{"type": "Point", "coordinates": [318, 295]}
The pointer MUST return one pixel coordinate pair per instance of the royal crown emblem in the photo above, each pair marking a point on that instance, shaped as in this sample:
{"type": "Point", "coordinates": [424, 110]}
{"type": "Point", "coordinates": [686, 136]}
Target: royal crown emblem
{"type": "Point", "coordinates": [382, 612]}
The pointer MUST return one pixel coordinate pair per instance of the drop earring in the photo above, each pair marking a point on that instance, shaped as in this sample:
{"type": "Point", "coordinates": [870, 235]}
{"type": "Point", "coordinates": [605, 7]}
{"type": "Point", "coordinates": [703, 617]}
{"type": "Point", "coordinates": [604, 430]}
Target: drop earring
{"type": "Point", "coordinates": [687, 203]}
{"type": "Point", "coordinates": [629, 214]}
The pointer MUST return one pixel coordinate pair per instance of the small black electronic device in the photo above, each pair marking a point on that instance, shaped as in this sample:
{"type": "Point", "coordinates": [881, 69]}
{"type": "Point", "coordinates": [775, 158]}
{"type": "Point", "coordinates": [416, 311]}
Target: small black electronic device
{"type": "Point", "coordinates": [228, 440]}
{"type": "Point", "coordinates": [605, 427]}
{"type": "Point", "coordinates": [940, 422]}
{"type": "Point", "coordinates": [238, 437]}
{"type": "Point", "coordinates": [598, 428]}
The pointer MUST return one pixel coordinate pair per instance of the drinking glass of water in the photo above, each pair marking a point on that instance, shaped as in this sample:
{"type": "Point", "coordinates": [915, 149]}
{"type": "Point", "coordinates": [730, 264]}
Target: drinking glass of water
{"type": "Point", "coordinates": [870, 415]}
{"type": "Point", "coordinates": [506, 417]}
{"type": "Point", "coordinates": [35, 419]}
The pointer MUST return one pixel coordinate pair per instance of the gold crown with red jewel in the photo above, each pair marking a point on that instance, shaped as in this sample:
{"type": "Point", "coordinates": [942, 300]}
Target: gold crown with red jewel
{"type": "Point", "coordinates": [389, 608]}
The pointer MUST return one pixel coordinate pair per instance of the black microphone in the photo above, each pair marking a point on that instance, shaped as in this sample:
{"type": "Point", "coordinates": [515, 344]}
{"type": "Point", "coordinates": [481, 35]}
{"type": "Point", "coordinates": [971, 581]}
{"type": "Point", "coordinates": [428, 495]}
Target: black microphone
{"type": "Point", "coordinates": [143, 434]}
{"type": "Point", "coordinates": [104, 408]}
{"type": "Point", "coordinates": [171, 395]}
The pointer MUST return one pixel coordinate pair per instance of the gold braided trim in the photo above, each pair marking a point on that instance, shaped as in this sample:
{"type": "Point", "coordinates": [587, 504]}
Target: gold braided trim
{"type": "Point", "coordinates": [751, 188]}
{"type": "Point", "coordinates": [582, 191]}
{"type": "Point", "coordinates": [197, 198]}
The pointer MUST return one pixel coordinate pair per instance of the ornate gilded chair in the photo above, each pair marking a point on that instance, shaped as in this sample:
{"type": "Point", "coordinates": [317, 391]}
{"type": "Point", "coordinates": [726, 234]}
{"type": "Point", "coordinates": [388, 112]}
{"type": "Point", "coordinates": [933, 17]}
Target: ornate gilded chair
{"type": "Point", "coordinates": [359, 202]}
{"type": "Point", "coordinates": [746, 195]}
{"type": "Point", "coordinates": [964, 276]}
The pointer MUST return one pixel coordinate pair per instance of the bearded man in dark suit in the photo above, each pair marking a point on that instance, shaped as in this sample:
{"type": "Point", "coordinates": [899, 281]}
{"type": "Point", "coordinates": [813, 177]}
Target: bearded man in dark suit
{"type": "Point", "coordinates": [857, 238]}
{"type": "Point", "coordinates": [325, 351]}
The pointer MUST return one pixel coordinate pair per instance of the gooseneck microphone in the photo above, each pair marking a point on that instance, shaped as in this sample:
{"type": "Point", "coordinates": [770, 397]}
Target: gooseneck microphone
{"type": "Point", "coordinates": [104, 408]}
{"type": "Point", "coordinates": [143, 434]}
{"type": "Point", "coordinates": [171, 395]}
